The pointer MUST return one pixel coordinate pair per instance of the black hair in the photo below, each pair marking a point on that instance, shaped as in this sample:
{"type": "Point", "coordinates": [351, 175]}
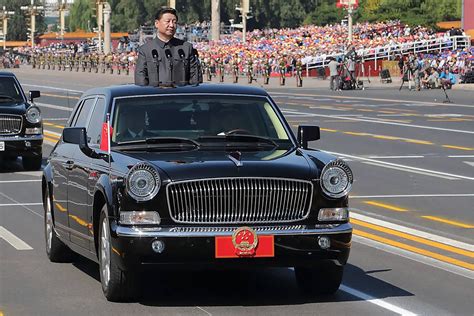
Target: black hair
{"type": "Point", "coordinates": [164, 10]}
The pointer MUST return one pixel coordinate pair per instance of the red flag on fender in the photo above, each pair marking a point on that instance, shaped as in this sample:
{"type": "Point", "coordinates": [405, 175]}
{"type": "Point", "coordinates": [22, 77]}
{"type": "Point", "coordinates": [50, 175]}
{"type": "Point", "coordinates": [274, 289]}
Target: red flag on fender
{"type": "Point", "coordinates": [105, 136]}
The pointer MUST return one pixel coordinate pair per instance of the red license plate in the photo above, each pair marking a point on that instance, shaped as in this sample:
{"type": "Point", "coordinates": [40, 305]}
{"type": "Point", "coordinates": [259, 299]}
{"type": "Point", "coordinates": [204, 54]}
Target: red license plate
{"type": "Point", "coordinates": [225, 248]}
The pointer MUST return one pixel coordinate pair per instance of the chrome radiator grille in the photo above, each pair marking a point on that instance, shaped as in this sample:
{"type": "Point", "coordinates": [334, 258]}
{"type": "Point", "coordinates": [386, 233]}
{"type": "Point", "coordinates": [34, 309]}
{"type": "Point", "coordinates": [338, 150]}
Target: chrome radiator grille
{"type": "Point", "coordinates": [239, 200]}
{"type": "Point", "coordinates": [10, 124]}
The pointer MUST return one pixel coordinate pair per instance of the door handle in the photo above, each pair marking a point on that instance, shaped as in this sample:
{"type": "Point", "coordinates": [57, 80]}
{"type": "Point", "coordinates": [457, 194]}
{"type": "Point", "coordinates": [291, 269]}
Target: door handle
{"type": "Point", "coordinates": [69, 164]}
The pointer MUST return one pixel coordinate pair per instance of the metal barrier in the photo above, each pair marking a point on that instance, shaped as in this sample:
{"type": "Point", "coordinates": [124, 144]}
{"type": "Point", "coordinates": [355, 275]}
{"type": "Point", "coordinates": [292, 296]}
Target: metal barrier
{"type": "Point", "coordinates": [434, 45]}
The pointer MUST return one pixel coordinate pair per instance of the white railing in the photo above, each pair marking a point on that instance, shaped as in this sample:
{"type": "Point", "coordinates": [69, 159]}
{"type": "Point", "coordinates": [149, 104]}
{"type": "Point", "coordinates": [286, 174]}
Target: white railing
{"type": "Point", "coordinates": [389, 51]}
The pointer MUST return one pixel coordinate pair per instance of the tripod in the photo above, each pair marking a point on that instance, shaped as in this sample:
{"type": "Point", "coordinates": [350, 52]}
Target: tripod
{"type": "Point", "coordinates": [409, 73]}
{"type": "Point", "coordinates": [354, 84]}
{"type": "Point", "coordinates": [447, 100]}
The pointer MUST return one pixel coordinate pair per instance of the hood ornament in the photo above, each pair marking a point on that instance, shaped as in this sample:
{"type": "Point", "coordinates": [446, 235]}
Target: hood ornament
{"type": "Point", "coordinates": [235, 157]}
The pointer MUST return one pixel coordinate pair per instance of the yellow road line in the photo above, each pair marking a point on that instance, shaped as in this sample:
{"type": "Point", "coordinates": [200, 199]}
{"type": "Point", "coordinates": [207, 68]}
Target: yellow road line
{"type": "Point", "coordinates": [365, 110]}
{"type": "Point", "coordinates": [386, 206]}
{"type": "Point", "coordinates": [54, 140]}
{"type": "Point", "coordinates": [385, 137]}
{"type": "Point", "coordinates": [447, 221]}
{"type": "Point", "coordinates": [356, 134]}
{"type": "Point", "coordinates": [458, 147]}
{"type": "Point", "coordinates": [58, 96]}
{"type": "Point", "coordinates": [51, 135]}
{"type": "Point", "coordinates": [416, 141]}
{"type": "Point", "coordinates": [420, 240]}
{"type": "Point", "coordinates": [329, 130]}
{"type": "Point", "coordinates": [420, 251]}
{"type": "Point", "coordinates": [54, 125]}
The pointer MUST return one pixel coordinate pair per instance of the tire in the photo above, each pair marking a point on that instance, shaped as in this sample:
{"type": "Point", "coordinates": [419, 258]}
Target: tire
{"type": "Point", "coordinates": [32, 163]}
{"type": "Point", "coordinates": [323, 279]}
{"type": "Point", "coordinates": [118, 285]}
{"type": "Point", "coordinates": [56, 250]}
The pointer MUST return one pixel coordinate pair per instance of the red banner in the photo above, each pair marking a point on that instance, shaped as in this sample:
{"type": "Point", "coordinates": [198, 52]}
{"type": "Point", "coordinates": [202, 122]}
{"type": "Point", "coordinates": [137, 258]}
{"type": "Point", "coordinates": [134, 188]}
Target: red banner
{"type": "Point", "coordinates": [346, 3]}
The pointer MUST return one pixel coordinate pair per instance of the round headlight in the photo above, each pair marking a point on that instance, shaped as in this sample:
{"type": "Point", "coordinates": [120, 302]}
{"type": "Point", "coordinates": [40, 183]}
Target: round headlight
{"type": "Point", "coordinates": [33, 115]}
{"type": "Point", "coordinates": [143, 182]}
{"type": "Point", "coordinates": [336, 179]}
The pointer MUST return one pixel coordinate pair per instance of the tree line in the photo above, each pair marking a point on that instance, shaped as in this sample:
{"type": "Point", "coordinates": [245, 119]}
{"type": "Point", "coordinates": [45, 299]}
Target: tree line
{"type": "Point", "coordinates": [128, 15]}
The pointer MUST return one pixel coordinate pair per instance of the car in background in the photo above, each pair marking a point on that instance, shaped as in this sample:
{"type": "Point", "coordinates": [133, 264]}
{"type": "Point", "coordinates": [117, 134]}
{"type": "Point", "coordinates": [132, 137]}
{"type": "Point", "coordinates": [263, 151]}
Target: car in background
{"type": "Point", "coordinates": [197, 175]}
{"type": "Point", "coordinates": [21, 126]}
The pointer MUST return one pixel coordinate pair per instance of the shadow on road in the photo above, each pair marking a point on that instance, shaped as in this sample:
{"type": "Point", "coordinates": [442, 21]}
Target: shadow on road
{"type": "Point", "coordinates": [248, 287]}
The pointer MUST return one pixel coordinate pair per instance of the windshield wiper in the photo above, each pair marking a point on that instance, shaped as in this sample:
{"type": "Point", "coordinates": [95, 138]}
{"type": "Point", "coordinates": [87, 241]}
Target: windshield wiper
{"type": "Point", "coordinates": [4, 96]}
{"type": "Point", "coordinates": [241, 138]}
{"type": "Point", "coordinates": [159, 142]}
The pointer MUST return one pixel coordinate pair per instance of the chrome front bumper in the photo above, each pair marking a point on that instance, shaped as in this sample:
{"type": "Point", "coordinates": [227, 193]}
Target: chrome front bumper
{"type": "Point", "coordinates": [187, 231]}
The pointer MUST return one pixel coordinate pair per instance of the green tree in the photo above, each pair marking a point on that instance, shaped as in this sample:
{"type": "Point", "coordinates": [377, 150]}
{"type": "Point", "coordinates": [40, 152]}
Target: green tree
{"type": "Point", "coordinates": [18, 23]}
{"type": "Point", "coordinates": [81, 16]}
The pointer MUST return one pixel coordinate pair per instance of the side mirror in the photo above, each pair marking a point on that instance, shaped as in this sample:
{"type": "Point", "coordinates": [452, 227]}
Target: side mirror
{"type": "Point", "coordinates": [307, 133]}
{"type": "Point", "coordinates": [34, 94]}
{"type": "Point", "coordinates": [78, 136]}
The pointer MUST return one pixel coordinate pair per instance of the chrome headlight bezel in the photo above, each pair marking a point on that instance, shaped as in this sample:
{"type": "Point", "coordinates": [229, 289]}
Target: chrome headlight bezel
{"type": "Point", "coordinates": [33, 115]}
{"type": "Point", "coordinates": [340, 169]}
{"type": "Point", "coordinates": [146, 190]}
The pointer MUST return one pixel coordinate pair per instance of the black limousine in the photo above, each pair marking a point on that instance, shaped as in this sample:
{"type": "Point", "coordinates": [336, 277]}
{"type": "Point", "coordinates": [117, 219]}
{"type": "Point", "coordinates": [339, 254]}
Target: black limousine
{"type": "Point", "coordinates": [21, 127]}
{"type": "Point", "coordinates": [207, 175]}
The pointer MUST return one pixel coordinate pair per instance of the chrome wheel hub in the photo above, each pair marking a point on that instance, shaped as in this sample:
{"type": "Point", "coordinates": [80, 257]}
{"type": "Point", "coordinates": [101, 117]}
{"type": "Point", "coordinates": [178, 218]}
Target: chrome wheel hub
{"type": "Point", "coordinates": [105, 252]}
{"type": "Point", "coordinates": [49, 224]}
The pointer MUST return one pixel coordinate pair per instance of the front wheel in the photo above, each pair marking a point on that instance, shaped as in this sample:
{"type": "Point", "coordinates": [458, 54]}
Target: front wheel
{"type": "Point", "coordinates": [323, 279]}
{"type": "Point", "coordinates": [56, 250]}
{"type": "Point", "coordinates": [118, 285]}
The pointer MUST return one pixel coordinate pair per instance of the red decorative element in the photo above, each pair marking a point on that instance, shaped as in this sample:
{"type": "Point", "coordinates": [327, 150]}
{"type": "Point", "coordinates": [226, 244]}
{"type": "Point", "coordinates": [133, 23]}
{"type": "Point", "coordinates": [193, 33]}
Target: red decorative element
{"type": "Point", "coordinates": [104, 140]}
{"type": "Point", "coordinates": [346, 3]}
{"type": "Point", "coordinates": [225, 248]}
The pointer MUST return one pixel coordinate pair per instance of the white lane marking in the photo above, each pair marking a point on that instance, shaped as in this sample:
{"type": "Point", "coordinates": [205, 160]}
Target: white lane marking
{"type": "Point", "coordinates": [415, 103]}
{"type": "Point", "coordinates": [389, 164]}
{"type": "Point", "coordinates": [414, 256]}
{"type": "Point", "coordinates": [470, 163]}
{"type": "Point", "coordinates": [394, 157]}
{"type": "Point", "coordinates": [50, 87]}
{"type": "Point", "coordinates": [409, 196]}
{"type": "Point", "coordinates": [374, 120]}
{"type": "Point", "coordinates": [414, 232]}
{"type": "Point", "coordinates": [461, 156]}
{"type": "Point", "coordinates": [52, 106]}
{"type": "Point", "coordinates": [205, 311]}
{"type": "Point", "coordinates": [20, 204]}
{"type": "Point", "coordinates": [19, 181]}
{"type": "Point", "coordinates": [13, 240]}
{"type": "Point", "coordinates": [411, 171]}
{"type": "Point", "coordinates": [55, 119]}
{"type": "Point", "coordinates": [375, 301]}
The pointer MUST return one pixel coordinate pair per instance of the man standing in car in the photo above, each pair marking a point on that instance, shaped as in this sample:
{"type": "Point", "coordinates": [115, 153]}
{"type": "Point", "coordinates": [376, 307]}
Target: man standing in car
{"type": "Point", "coordinates": [166, 60]}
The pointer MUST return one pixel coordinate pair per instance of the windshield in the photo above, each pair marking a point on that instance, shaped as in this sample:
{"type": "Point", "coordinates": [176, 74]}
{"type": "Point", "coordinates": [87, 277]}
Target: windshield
{"type": "Point", "coordinates": [197, 117]}
{"type": "Point", "coordinates": [9, 91]}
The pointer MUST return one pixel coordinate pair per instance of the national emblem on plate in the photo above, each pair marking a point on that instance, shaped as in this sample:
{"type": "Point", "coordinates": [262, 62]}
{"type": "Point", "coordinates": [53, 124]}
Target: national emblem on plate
{"type": "Point", "coordinates": [245, 241]}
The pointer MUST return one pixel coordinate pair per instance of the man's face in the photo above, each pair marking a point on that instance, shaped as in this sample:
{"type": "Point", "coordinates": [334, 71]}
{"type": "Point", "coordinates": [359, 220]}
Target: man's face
{"type": "Point", "coordinates": [166, 26]}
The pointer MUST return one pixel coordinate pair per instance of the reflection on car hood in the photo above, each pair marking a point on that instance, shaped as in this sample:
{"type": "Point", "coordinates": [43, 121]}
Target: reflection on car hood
{"type": "Point", "coordinates": [217, 164]}
{"type": "Point", "coordinates": [8, 108]}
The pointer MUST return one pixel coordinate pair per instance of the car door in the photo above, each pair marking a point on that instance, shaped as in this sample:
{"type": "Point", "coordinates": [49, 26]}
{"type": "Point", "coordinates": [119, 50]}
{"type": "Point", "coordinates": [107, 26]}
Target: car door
{"type": "Point", "coordinates": [79, 222]}
{"type": "Point", "coordinates": [61, 160]}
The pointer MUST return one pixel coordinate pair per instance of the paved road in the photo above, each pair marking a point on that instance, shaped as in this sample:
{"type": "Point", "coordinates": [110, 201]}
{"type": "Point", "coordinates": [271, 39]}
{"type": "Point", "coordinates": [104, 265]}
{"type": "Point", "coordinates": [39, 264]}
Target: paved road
{"type": "Point", "coordinates": [413, 250]}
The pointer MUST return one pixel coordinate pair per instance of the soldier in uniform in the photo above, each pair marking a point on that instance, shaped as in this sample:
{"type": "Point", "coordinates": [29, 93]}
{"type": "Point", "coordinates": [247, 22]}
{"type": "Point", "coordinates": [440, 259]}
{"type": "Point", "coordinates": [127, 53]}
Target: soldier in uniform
{"type": "Point", "coordinates": [220, 69]}
{"type": "Point", "coordinates": [249, 68]}
{"type": "Point", "coordinates": [235, 68]}
{"type": "Point", "coordinates": [299, 72]}
{"type": "Point", "coordinates": [266, 69]}
{"type": "Point", "coordinates": [282, 69]}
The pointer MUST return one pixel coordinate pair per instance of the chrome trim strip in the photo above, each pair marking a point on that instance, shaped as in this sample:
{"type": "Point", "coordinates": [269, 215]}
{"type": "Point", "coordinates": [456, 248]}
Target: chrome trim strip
{"type": "Point", "coordinates": [17, 138]}
{"type": "Point", "coordinates": [183, 231]}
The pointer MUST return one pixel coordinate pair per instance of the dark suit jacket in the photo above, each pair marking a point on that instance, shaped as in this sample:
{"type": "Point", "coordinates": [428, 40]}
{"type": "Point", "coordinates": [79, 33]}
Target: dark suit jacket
{"type": "Point", "coordinates": [162, 70]}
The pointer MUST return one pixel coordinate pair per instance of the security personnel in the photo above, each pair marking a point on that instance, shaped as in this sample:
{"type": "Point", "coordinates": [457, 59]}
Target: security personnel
{"type": "Point", "coordinates": [220, 69]}
{"type": "Point", "coordinates": [266, 69]}
{"type": "Point", "coordinates": [282, 71]}
{"type": "Point", "coordinates": [249, 66]}
{"type": "Point", "coordinates": [166, 59]}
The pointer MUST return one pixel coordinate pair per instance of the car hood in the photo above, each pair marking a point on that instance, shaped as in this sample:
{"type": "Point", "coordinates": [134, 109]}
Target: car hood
{"type": "Point", "coordinates": [16, 109]}
{"type": "Point", "coordinates": [216, 164]}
